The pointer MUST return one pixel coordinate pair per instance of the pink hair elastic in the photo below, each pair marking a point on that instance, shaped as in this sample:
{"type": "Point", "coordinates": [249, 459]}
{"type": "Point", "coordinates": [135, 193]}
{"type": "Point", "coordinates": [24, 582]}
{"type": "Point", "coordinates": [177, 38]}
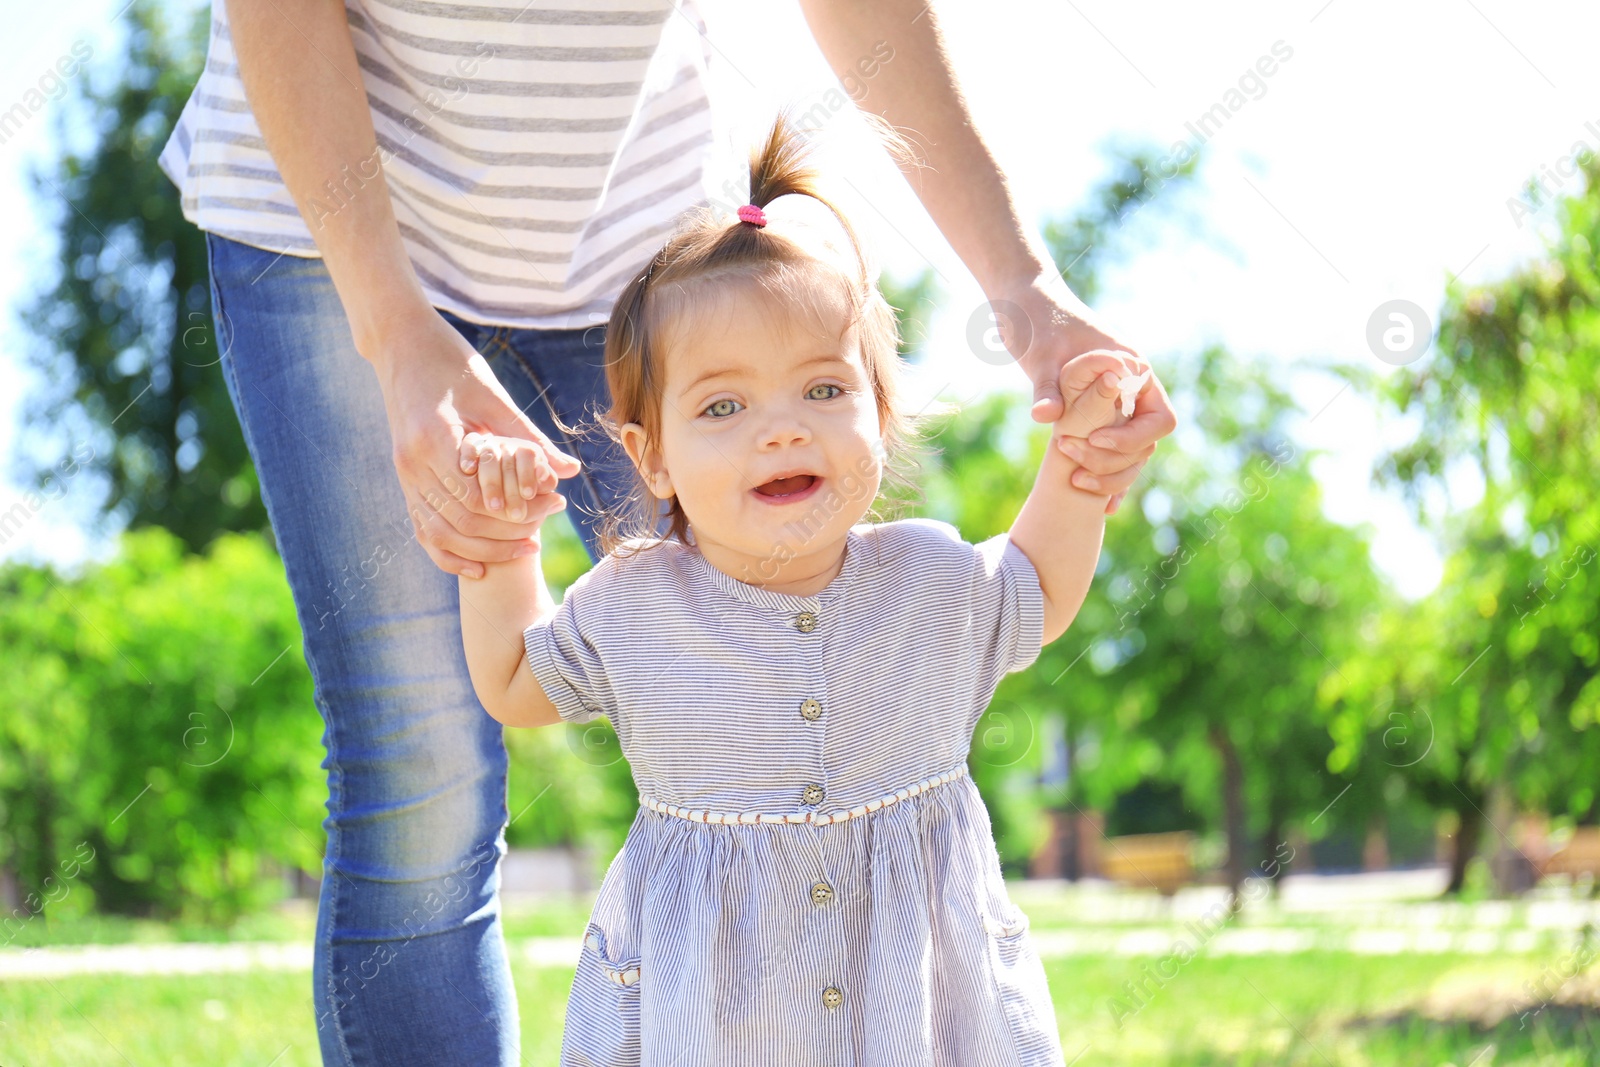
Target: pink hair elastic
{"type": "Point", "coordinates": [753, 215]}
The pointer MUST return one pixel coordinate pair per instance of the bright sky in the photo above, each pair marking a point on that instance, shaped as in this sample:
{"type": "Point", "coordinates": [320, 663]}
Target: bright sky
{"type": "Point", "coordinates": [1375, 162]}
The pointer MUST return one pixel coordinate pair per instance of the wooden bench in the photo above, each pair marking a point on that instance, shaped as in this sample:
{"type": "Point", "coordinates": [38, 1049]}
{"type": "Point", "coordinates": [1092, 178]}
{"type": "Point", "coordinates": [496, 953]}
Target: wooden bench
{"type": "Point", "coordinates": [1580, 855]}
{"type": "Point", "coordinates": [1160, 861]}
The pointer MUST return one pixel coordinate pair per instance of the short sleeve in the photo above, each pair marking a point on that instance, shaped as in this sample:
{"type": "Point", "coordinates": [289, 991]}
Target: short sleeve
{"type": "Point", "coordinates": [565, 661]}
{"type": "Point", "coordinates": [1007, 608]}
{"type": "Point", "coordinates": [998, 588]}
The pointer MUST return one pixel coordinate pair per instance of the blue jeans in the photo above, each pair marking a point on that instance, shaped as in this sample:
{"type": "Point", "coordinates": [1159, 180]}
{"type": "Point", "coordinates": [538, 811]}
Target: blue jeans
{"type": "Point", "coordinates": [410, 962]}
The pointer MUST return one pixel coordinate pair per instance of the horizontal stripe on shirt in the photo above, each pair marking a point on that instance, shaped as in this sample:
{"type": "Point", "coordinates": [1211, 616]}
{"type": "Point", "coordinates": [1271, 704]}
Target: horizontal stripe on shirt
{"type": "Point", "coordinates": [585, 132]}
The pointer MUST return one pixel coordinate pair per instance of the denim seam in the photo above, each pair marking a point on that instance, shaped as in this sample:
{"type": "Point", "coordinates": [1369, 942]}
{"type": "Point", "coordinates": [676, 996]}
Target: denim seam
{"type": "Point", "coordinates": [331, 868]}
{"type": "Point", "coordinates": [498, 344]}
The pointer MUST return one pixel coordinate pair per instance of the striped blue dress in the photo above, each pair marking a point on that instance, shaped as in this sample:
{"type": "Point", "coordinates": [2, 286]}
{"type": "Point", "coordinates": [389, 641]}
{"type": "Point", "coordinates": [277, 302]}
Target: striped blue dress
{"type": "Point", "coordinates": [811, 877]}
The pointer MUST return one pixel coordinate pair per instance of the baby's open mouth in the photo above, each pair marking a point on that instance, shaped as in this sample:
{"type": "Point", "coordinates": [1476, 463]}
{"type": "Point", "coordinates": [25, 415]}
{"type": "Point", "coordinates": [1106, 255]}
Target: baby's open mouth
{"type": "Point", "coordinates": [794, 485]}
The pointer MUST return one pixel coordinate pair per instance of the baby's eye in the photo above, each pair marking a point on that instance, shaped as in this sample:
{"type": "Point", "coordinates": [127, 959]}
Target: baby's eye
{"type": "Point", "coordinates": [825, 385]}
{"type": "Point", "coordinates": [718, 403]}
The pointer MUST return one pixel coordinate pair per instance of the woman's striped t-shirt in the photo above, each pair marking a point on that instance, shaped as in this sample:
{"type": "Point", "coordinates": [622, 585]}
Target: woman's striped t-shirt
{"type": "Point", "coordinates": [537, 155]}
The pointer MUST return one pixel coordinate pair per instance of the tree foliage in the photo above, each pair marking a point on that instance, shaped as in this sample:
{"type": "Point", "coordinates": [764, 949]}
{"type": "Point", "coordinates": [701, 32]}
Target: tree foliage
{"type": "Point", "coordinates": [159, 715]}
{"type": "Point", "coordinates": [1497, 670]}
{"type": "Point", "coordinates": [123, 336]}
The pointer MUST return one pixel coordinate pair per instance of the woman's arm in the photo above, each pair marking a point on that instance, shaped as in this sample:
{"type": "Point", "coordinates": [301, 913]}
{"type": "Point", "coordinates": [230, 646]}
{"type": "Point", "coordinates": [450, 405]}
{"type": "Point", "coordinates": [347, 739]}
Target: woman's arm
{"type": "Point", "coordinates": [967, 195]}
{"type": "Point", "coordinates": [298, 67]}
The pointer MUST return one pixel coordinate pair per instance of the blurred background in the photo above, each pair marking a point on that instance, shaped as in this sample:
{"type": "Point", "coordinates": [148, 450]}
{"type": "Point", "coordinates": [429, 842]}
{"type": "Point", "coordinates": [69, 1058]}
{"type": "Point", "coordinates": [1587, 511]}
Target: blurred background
{"type": "Point", "coordinates": [1313, 777]}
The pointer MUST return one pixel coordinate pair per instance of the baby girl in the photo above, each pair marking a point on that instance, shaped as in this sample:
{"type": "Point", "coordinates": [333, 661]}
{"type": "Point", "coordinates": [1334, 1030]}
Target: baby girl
{"type": "Point", "coordinates": [811, 876]}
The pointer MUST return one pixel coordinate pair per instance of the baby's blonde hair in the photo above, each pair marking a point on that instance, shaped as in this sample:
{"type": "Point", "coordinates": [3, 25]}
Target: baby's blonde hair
{"type": "Point", "coordinates": [709, 249]}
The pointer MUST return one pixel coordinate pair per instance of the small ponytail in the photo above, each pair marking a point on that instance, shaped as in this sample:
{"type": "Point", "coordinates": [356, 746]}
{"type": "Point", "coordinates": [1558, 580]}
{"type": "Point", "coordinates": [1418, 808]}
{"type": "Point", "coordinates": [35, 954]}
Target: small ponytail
{"type": "Point", "coordinates": [780, 167]}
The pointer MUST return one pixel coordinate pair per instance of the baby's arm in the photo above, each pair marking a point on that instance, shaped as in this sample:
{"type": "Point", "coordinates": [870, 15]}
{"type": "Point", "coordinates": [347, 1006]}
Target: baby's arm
{"type": "Point", "coordinates": [511, 596]}
{"type": "Point", "coordinates": [1060, 526]}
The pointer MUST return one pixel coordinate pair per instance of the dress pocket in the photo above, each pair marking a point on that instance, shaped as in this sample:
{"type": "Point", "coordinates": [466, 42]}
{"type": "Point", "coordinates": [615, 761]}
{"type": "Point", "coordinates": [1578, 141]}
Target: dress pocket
{"type": "Point", "coordinates": [603, 1012]}
{"type": "Point", "coordinates": [623, 972]}
{"type": "Point", "coordinates": [1023, 991]}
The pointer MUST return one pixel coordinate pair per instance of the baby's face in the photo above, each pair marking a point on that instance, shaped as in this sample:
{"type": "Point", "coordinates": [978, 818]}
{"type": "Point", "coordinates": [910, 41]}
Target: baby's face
{"type": "Point", "coordinates": [770, 435]}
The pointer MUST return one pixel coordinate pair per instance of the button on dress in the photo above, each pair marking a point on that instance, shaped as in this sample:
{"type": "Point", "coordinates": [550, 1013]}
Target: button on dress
{"type": "Point", "coordinates": [811, 876]}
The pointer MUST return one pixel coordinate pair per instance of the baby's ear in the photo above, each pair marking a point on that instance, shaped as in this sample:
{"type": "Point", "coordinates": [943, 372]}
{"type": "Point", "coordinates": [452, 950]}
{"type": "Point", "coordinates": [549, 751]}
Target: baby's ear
{"type": "Point", "coordinates": [647, 460]}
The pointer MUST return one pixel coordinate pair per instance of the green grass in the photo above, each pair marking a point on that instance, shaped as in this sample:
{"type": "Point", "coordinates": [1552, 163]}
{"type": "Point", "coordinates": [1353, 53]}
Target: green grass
{"type": "Point", "coordinates": [208, 1020]}
{"type": "Point", "coordinates": [1315, 1008]}
{"type": "Point", "coordinates": [1318, 1008]}
{"type": "Point", "coordinates": [1327, 1009]}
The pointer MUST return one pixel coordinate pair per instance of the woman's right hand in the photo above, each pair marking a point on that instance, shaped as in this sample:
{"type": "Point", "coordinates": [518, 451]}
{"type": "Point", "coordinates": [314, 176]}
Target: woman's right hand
{"type": "Point", "coordinates": [437, 389]}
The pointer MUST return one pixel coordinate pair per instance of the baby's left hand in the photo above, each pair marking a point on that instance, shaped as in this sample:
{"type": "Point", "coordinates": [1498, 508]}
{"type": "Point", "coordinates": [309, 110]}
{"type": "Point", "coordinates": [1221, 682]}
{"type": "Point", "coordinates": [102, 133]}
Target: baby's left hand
{"type": "Point", "coordinates": [510, 472]}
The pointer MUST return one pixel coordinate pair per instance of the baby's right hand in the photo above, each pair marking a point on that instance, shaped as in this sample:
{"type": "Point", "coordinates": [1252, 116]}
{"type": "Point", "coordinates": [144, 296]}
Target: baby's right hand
{"type": "Point", "coordinates": [510, 472]}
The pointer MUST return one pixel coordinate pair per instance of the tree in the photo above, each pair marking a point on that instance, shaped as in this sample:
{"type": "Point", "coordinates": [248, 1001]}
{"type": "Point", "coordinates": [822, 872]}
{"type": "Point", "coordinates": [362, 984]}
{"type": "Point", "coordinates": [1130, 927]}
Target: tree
{"type": "Point", "coordinates": [124, 337]}
{"type": "Point", "coordinates": [1427, 704]}
{"type": "Point", "coordinates": [1213, 632]}
{"type": "Point", "coordinates": [1501, 665]}
{"type": "Point", "coordinates": [1204, 641]}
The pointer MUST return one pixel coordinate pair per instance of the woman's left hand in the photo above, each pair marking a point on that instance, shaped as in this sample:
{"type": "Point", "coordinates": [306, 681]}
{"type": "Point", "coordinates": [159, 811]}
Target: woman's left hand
{"type": "Point", "coordinates": [1044, 327]}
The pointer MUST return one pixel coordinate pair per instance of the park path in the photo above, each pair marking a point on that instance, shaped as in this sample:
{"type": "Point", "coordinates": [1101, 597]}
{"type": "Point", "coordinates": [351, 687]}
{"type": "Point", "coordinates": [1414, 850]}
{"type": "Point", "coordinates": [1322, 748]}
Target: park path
{"type": "Point", "coordinates": [252, 956]}
{"type": "Point", "coordinates": [1384, 914]}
